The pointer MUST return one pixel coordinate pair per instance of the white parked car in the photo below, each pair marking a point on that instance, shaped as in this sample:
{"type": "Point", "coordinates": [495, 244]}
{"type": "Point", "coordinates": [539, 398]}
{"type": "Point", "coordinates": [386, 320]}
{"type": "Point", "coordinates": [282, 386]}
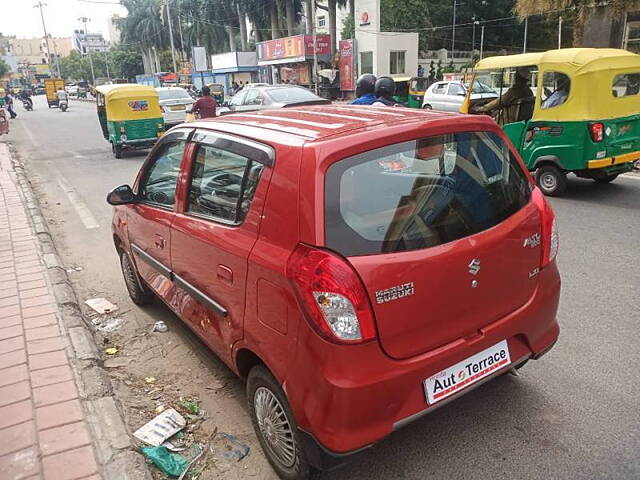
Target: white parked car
{"type": "Point", "coordinates": [174, 103]}
{"type": "Point", "coordinates": [72, 90]}
{"type": "Point", "coordinates": [449, 96]}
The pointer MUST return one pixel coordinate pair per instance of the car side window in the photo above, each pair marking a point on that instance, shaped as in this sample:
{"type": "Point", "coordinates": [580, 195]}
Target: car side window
{"type": "Point", "coordinates": [238, 98]}
{"type": "Point", "coordinates": [456, 89]}
{"type": "Point", "coordinates": [254, 97]}
{"type": "Point", "coordinates": [440, 89]}
{"type": "Point", "coordinates": [158, 185]}
{"type": "Point", "coordinates": [223, 184]}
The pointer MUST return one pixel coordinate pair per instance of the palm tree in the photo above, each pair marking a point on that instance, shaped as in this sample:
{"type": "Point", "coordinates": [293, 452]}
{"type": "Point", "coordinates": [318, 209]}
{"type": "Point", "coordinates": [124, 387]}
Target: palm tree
{"type": "Point", "coordinates": [143, 26]}
{"type": "Point", "coordinates": [583, 10]}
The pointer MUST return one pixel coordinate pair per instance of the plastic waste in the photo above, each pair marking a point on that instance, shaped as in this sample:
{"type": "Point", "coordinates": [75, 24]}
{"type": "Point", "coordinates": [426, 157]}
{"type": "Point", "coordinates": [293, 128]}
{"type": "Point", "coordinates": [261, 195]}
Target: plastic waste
{"type": "Point", "coordinates": [235, 449]}
{"type": "Point", "coordinates": [160, 326]}
{"type": "Point", "coordinates": [169, 463]}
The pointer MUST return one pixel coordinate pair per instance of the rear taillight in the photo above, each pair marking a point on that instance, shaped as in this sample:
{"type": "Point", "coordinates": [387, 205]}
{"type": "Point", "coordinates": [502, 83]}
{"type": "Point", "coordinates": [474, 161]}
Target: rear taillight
{"type": "Point", "coordinates": [332, 295]}
{"type": "Point", "coordinates": [122, 130]}
{"type": "Point", "coordinates": [550, 239]}
{"type": "Point", "coordinates": [597, 131]}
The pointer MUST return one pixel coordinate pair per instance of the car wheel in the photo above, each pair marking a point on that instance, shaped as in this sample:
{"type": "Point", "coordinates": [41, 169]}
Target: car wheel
{"type": "Point", "coordinates": [551, 180]}
{"type": "Point", "coordinates": [606, 179]}
{"type": "Point", "coordinates": [427, 107]}
{"type": "Point", "coordinates": [275, 426]}
{"type": "Point", "coordinates": [139, 294]}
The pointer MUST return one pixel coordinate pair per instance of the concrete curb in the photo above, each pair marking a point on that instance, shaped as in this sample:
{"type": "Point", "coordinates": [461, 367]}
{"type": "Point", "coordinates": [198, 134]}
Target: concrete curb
{"type": "Point", "coordinates": [112, 441]}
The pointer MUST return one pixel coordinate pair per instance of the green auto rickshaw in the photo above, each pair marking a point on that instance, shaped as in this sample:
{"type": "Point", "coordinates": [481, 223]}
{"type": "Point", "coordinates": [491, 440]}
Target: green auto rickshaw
{"type": "Point", "coordinates": [417, 87]}
{"type": "Point", "coordinates": [402, 89]}
{"type": "Point", "coordinates": [217, 92]}
{"type": "Point", "coordinates": [574, 110]}
{"type": "Point", "coordinates": [130, 116]}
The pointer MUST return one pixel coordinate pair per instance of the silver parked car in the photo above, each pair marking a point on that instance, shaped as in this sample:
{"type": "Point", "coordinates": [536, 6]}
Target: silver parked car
{"type": "Point", "coordinates": [449, 96]}
{"type": "Point", "coordinates": [260, 97]}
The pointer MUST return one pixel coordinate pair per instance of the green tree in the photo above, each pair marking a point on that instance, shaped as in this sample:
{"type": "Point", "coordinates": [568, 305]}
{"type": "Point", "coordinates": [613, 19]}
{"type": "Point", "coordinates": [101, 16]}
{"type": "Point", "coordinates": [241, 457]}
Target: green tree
{"type": "Point", "coordinates": [348, 27]}
{"type": "Point", "coordinates": [582, 10]}
{"type": "Point", "coordinates": [125, 61]}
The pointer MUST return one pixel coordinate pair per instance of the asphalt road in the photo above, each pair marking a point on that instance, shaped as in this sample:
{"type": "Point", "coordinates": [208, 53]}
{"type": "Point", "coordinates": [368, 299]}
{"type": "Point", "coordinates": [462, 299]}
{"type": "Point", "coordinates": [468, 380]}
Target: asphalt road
{"type": "Point", "coordinates": [573, 414]}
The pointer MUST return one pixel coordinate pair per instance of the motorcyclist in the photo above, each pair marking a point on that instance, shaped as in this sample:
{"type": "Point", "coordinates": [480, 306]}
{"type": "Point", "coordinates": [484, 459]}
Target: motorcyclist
{"type": "Point", "coordinates": [25, 96]}
{"type": "Point", "coordinates": [384, 90]}
{"type": "Point", "coordinates": [365, 87]}
{"type": "Point", "coordinates": [63, 98]}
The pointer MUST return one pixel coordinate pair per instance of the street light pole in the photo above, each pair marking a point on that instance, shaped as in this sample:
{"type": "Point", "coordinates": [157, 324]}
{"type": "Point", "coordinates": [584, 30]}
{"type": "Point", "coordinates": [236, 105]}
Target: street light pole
{"type": "Point", "coordinates": [84, 20]}
{"type": "Point", "coordinates": [560, 31]}
{"type": "Point", "coordinates": [453, 33]}
{"type": "Point", "coordinates": [526, 28]}
{"type": "Point", "coordinates": [173, 50]}
{"type": "Point", "coordinates": [46, 37]}
{"type": "Point", "coordinates": [481, 41]}
{"type": "Point", "coordinates": [315, 44]}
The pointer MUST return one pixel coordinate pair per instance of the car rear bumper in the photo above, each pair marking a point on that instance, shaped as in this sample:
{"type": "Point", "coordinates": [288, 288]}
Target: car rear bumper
{"type": "Point", "coordinates": [357, 395]}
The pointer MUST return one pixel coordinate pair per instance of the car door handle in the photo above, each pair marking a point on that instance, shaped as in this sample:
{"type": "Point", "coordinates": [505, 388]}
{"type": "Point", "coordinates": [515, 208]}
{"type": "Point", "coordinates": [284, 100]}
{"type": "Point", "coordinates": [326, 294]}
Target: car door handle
{"type": "Point", "coordinates": [225, 274]}
{"type": "Point", "coordinates": [159, 241]}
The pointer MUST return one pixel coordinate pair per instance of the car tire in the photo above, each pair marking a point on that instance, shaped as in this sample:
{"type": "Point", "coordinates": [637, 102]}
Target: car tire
{"type": "Point", "coordinates": [267, 402]}
{"type": "Point", "coordinates": [606, 179]}
{"type": "Point", "coordinates": [139, 294]}
{"type": "Point", "coordinates": [427, 107]}
{"type": "Point", "coordinates": [551, 180]}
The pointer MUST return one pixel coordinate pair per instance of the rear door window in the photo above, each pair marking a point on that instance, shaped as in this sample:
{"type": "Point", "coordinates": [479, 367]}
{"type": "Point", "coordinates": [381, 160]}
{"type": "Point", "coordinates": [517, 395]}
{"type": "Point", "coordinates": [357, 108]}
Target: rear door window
{"type": "Point", "coordinates": [556, 87]}
{"type": "Point", "coordinates": [421, 193]}
{"type": "Point", "coordinates": [626, 84]}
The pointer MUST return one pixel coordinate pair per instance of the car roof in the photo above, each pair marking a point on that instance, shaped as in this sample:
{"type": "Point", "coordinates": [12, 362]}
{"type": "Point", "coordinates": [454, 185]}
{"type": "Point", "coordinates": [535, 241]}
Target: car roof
{"type": "Point", "coordinates": [313, 123]}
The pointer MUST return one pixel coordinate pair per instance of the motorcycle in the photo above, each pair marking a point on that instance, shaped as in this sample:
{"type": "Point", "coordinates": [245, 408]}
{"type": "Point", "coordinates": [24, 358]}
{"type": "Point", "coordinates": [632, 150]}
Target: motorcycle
{"type": "Point", "coordinates": [27, 104]}
{"type": "Point", "coordinates": [63, 104]}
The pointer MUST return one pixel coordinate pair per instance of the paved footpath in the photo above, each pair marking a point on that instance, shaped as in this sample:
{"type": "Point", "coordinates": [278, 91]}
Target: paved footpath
{"type": "Point", "coordinates": [43, 432]}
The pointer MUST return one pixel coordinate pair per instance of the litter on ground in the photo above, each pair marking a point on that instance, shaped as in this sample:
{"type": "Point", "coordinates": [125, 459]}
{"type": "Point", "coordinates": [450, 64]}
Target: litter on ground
{"type": "Point", "coordinates": [101, 305]}
{"type": "Point", "coordinates": [165, 425]}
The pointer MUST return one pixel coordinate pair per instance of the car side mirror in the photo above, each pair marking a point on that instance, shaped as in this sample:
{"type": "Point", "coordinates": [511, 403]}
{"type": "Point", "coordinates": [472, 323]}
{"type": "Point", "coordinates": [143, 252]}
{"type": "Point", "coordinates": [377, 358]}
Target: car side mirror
{"type": "Point", "coordinates": [122, 195]}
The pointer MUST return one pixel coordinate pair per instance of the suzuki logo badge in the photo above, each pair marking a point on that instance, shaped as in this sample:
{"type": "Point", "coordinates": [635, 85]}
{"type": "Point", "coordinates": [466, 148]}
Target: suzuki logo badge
{"type": "Point", "coordinates": [474, 266]}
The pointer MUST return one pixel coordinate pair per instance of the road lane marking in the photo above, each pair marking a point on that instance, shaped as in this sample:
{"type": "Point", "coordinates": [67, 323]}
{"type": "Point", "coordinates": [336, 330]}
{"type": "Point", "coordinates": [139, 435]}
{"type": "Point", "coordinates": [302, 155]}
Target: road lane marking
{"type": "Point", "coordinates": [29, 134]}
{"type": "Point", "coordinates": [81, 208]}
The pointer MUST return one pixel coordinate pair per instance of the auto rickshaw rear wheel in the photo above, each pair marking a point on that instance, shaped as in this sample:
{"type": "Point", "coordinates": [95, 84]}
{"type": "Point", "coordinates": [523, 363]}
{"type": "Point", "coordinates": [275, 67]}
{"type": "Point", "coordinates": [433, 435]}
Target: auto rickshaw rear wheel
{"type": "Point", "coordinates": [606, 178]}
{"type": "Point", "coordinates": [116, 150]}
{"type": "Point", "coordinates": [551, 180]}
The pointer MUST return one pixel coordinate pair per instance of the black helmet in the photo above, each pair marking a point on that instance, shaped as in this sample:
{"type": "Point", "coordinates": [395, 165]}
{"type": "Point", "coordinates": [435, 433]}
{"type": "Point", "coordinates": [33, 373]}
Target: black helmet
{"type": "Point", "coordinates": [385, 87]}
{"type": "Point", "coordinates": [366, 84]}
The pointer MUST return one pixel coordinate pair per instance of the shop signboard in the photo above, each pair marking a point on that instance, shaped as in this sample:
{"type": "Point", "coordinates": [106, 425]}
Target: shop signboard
{"type": "Point", "coordinates": [295, 48]}
{"type": "Point", "coordinates": [347, 67]}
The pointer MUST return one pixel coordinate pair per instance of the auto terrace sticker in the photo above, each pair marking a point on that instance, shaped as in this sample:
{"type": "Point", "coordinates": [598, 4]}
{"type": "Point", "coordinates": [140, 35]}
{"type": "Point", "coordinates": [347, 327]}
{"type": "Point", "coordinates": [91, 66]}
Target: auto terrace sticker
{"type": "Point", "coordinates": [467, 372]}
{"type": "Point", "coordinates": [139, 105]}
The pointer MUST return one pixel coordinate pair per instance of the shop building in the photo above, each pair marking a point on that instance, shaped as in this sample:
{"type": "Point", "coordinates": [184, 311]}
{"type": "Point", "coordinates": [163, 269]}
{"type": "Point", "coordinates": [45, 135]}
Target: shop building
{"type": "Point", "coordinates": [290, 59]}
{"type": "Point", "coordinates": [234, 67]}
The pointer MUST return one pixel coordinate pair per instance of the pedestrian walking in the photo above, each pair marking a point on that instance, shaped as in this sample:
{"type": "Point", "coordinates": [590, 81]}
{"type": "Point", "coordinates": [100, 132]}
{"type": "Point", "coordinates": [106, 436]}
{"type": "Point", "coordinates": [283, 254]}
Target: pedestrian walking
{"type": "Point", "coordinates": [206, 105]}
{"type": "Point", "coordinates": [8, 101]}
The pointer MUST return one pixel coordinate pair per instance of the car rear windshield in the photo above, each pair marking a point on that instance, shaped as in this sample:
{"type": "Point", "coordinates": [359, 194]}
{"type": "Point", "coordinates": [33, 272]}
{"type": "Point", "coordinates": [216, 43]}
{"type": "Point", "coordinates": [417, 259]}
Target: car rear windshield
{"type": "Point", "coordinates": [177, 94]}
{"type": "Point", "coordinates": [292, 95]}
{"type": "Point", "coordinates": [421, 193]}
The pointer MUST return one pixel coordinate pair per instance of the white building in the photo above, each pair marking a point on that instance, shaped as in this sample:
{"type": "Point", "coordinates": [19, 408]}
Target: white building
{"type": "Point", "coordinates": [114, 29]}
{"type": "Point", "coordinates": [89, 42]}
{"type": "Point", "coordinates": [383, 53]}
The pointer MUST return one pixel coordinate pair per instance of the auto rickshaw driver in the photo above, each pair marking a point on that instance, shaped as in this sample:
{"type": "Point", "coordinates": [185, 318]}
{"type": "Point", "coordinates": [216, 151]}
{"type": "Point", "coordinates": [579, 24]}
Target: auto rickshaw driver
{"type": "Point", "coordinates": [507, 104]}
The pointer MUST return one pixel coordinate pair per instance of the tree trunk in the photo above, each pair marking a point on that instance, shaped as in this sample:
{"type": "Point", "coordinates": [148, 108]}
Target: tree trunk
{"type": "Point", "coordinates": [282, 21]}
{"type": "Point", "coordinates": [242, 21]}
{"type": "Point", "coordinates": [309, 16]}
{"type": "Point", "coordinates": [273, 17]}
{"type": "Point", "coordinates": [332, 25]}
{"type": "Point", "coordinates": [291, 21]}
{"type": "Point", "coordinates": [232, 39]}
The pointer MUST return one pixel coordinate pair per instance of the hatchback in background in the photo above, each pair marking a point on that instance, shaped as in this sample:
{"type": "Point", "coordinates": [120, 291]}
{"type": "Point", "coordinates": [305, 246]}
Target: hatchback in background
{"type": "Point", "coordinates": [449, 96]}
{"type": "Point", "coordinates": [260, 96]}
{"type": "Point", "coordinates": [359, 266]}
{"type": "Point", "coordinates": [174, 103]}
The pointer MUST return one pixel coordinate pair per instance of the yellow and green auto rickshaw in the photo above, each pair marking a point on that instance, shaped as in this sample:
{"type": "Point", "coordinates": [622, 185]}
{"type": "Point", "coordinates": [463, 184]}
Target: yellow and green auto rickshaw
{"type": "Point", "coordinates": [217, 92]}
{"type": "Point", "coordinates": [574, 110]}
{"type": "Point", "coordinates": [129, 115]}
{"type": "Point", "coordinates": [417, 87]}
{"type": "Point", "coordinates": [402, 89]}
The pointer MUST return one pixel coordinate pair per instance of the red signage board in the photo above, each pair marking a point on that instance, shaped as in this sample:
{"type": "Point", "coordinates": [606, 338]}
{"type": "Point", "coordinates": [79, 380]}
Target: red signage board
{"type": "Point", "coordinates": [294, 47]}
{"type": "Point", "coordinates": [347, 67]}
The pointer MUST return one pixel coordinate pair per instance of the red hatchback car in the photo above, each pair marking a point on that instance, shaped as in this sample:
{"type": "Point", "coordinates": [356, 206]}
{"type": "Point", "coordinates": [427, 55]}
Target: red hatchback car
{"type": "Point", "coordinates": [360, 266]}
